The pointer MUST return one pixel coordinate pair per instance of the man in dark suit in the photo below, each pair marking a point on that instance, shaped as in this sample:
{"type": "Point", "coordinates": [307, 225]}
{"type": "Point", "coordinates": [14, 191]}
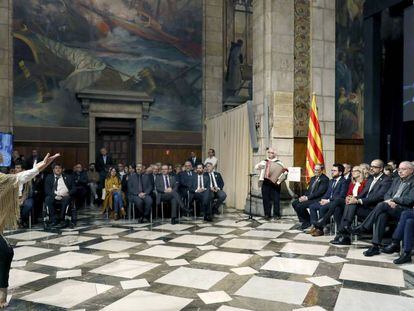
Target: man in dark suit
{"type": "Point", "coordinates": [201, 192]}
{"type": "Point", "coordinates": [80, 184]}
{"type": "Point", "coordinates": [33, 159]}
{"type": "Point", "coordinates": [103, 160]}
{"type": "Point", "coordinates": [332, 200]}
{"type": "Point", "coordinates": [140, 188]}
{"type": "Point", "coordinates": [373, 193]}
{"type": "Point", "coordinates": [398, 198]}
{"type": "Point", "coordinates": [317, 188]}
{"type": "Point", "coordinates": [167, 191]}
{"type": "Point", "coordinates": [393, 164]}
{"type": "Point", "coordinates": [185, 179]}
{"type": "Point", "coordinates": [58, 190]}
{"type": "Point", "coordinates": [216, 187]}
{"type": "Point", "coordinates": [194, 159]}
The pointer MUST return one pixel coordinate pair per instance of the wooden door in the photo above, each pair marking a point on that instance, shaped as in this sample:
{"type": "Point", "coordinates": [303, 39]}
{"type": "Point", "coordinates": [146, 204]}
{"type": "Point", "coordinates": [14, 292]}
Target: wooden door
{"type": "Point", "coordinates": [118, 137]}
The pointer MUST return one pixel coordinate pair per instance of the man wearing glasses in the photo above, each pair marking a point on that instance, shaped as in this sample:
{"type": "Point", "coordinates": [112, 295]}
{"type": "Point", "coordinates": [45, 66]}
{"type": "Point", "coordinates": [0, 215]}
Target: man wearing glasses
{"type": "Point", "coordinates": [377, 185]}
{"type": "Point", "coordinates": [317, 188]}
{"type": "Point", "coordinates": [398, 198]}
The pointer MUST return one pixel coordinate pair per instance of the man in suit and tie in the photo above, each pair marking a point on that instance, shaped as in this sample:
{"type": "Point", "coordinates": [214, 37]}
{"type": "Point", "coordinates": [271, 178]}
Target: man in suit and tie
{"type": "Point", "coordinates": [58, 190]}
{"type": "Point", "coordinates": [347, 171]}
{"type": "Point", "coordinates": [185, 178]}
{"type": "Point", "coordinates": [398, 198]}
{"type": "Point", "coordinates": [373, 193]}
{"type": "Point", "coordinates": [200, 190]}
{"type": "Point", "coordinates": [216, 187]}
{"type": "Point", "coordinates": [103, 160]}
{"type": "Point", "coordinates": [335, 195]}
{"type": "Point", "coordinates": [317, 188]}
{"type": "Point", "coordinates": [194, 159]}
{"type": "Point", "coordinates": [167, 191]}
{"type": "Point", "coordinates": [140, 188]}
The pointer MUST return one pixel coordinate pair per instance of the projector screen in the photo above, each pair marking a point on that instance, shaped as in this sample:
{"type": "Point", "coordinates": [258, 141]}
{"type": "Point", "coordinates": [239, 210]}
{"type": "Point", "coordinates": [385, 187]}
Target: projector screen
{"type": "Point", "coordinates": [409, 64]}
{"type": "Point", "coordinates": [6, 149]}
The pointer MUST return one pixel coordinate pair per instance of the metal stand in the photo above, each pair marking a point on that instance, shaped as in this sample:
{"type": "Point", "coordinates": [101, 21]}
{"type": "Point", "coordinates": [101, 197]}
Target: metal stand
{"type": "Point", "coordinates": [250, 218]}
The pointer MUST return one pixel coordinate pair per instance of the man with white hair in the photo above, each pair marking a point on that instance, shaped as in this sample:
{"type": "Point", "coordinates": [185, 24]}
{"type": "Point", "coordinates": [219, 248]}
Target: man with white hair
{"type": "Point", "coordinates": [270, 190]}
{"type": "Point", "coordinates": [399, 197]}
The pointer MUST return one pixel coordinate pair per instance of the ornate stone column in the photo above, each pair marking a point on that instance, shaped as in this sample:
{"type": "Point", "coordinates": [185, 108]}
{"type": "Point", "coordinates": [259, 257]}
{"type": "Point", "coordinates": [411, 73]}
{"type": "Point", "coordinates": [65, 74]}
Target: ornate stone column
{"type": "Point", "coordinates": [6, 67]}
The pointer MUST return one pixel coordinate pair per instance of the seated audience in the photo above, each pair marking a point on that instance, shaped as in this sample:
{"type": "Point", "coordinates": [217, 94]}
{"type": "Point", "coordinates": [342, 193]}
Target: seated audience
{"type": "Point", "coordinates": [177, 169]}
{"type": "Point", "coordinates": [26, 201]}
{"type": "Point", "coordinates": [365, 169]}
{"type": "Point", "coordinates": [121, 171]}
{"type": "Point", "coordinates": [80, 183]}
{"type": "Point", "coordinates": [398, 198]}
{"type": "Point", "coordinates": [317, 188]}
{"type": "Point", "coordinates": [200, 191]}
{"type": "Point", "coordinates": [58, 190]}
{"type": "Point", "coordinates": [211, 158]}
{"type": "Point", "coordinates": [185, 180]}
{"type": "Point", "coordinates": [167, 191]}
{"type": "Point", "coordinates": [347, 171]}
{"type": "Point", "coordinates": [216, 186]}
{"type": "Point", "coordinates": [114, 201]}
{"type": "Point", "coordinates": [17, 159]}
{"type": "Point", "coordinates": [333, 199]}
{"type": "Point", "coordinates": [394, 166]}
{"type": "Point", "coordinates": [355, 187]}
{"type": "Point", "coordinates": [93, 180]}
{"type": "Point", "coordinates": [388, 170]}
{"type": "Point", "coordinates": [140, 188]}
{"type": "Point", "coordinates": [405, 233]}
{"type": "Point", "coordinates": [361, 205]}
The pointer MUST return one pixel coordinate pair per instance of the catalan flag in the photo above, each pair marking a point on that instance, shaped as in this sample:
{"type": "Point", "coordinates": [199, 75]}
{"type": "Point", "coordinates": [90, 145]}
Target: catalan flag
{"type": "Point", "coordinates": [314, 154]}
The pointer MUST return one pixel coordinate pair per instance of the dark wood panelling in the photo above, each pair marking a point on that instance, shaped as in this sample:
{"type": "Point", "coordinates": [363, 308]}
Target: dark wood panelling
{"type": "Point", "coordinates": [176, 154]}
{"type": "Point", "coordinates": [171, 137]}
{"type": "Point", "coordinates": [51, 134]}
{"type": "Point", "coordinates": [70, 153]}
{"type": "Point", "coordinates": [299, 158]}
{"type": "Point", "coordinates": [349, 151]}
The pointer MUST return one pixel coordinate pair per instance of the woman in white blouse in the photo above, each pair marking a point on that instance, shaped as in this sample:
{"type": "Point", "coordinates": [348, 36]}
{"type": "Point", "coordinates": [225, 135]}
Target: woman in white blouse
{"type": "Point", "coordinates": [211, 158]}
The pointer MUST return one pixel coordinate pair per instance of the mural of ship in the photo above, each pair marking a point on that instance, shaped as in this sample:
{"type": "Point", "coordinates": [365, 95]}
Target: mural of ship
{"type": "Point", "coordinates": [147, 27]}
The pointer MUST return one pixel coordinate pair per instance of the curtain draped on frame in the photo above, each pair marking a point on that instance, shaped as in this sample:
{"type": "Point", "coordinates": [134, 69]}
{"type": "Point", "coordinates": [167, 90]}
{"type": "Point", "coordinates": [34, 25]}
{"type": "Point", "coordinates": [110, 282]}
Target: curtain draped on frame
{"type": "Point", "coordinates": [228, 133]}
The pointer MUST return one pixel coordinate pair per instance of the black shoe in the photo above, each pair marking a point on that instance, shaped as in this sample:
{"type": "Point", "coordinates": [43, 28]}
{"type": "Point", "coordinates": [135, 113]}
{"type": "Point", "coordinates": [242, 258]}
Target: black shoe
{"type": "Point", "coordinates": [277, 217]}
{"type": "Point", "coordinates": [404, 258]}
{"type": "Point", "coordinates": [392, 248]}
{"type": "Point", "coordinates": [372, 251]}
{"type": "Point", "coordinates": [72, 225]}
{"type": "Point", "coordinates": [305, 225]}
{"type": "Point", "coordinates": [343, 240]}
{"type": "Point", "coordinates": [267, 217]}
{"type": "Point", "coordinates": [358, 230]}
{"type": "Point", "coordinates": [55, 224]}
{"type": "Point", "coordinates": [208, 218]}
{"type": "Point", "coordinates": [336, 239]}
{"type": "Point", "coordinates": [173, 221]}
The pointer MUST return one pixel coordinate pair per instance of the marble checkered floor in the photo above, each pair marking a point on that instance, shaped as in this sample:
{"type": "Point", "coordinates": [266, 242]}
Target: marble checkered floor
{"type": "Point", "coordinates": [225, 265]}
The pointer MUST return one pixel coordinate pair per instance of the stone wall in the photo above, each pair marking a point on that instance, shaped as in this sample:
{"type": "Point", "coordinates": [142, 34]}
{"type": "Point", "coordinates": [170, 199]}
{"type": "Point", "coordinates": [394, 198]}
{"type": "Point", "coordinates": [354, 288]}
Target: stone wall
{"type": "Point", "coordinates": [6, 66]}
{"type": "Point", "coordinates": [323, 71]}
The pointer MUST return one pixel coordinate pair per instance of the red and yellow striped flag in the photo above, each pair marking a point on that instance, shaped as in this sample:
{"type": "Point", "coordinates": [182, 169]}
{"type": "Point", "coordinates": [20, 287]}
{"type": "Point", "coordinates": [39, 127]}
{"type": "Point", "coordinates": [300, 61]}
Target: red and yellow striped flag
{"type": "Point", "coordinates": [314, 154]}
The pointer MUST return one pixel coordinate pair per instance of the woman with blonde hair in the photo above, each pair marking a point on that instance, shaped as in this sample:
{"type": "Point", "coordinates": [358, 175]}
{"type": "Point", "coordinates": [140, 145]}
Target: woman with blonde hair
{"type": "Point", "coordinates": [114, 199]}
{"type": "Point", "coordinates": [357, 183]}
{"type": "Point", "coordinates": [365, 170]}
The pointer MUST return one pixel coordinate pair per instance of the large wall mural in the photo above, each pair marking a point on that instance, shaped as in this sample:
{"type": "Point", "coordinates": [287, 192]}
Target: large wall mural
{"type": "Point", "coordinates": [64, 46]}
{"type": "Point", "coordinates": [349, 88]}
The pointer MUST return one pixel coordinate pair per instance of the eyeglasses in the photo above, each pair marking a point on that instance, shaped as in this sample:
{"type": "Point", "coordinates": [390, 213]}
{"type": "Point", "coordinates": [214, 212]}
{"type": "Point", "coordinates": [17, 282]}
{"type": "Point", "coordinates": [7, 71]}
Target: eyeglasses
{"type": "Point", "coordinates": [353, 171]}
{"type": "Point", "coordinates": [373, 166]}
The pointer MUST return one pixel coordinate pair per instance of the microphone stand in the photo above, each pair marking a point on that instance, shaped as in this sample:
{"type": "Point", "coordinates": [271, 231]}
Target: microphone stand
{"type": "Point", "coordinates": [250, 218]}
